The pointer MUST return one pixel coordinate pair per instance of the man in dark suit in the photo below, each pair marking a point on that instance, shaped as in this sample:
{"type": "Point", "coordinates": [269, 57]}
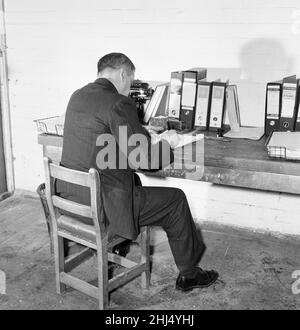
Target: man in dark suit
{"type": "Point", "coordinates": [102, 107]}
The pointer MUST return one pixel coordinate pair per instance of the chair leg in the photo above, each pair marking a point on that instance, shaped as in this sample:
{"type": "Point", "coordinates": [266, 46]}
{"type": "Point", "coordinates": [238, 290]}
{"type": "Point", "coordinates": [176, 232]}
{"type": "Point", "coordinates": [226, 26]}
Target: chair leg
{"type": "Point", "coordinates": [59, 262]}
{"type": "Point", "coordinates": [145, 257]}
{"type": "Point", "coordinates": [50, 231]}
{"type": "Point", "coordinates": [102, 278]}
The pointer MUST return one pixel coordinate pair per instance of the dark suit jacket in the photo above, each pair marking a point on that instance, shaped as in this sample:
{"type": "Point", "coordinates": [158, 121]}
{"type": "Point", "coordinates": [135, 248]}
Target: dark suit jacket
{"type": "Point", "coordinates": [97, 109]}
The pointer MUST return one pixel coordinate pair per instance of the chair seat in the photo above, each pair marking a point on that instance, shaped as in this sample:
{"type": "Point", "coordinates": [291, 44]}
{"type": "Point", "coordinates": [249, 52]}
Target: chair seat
{"type": "Point", "coordinates": [76, 228]}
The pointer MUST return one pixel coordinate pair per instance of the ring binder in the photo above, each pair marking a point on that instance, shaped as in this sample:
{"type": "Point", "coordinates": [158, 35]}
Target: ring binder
{"type": "Point", "coordinates": [217, 107]}
{"type": "Point", "coordinates": [202, 105]}
{"type": "Point", "coordinates": [289, 90]}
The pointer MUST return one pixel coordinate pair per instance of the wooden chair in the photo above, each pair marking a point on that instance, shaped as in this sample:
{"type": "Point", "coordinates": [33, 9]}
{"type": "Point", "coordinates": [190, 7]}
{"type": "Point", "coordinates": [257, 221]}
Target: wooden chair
{"type": "Point", "coordinates": [94, 237]}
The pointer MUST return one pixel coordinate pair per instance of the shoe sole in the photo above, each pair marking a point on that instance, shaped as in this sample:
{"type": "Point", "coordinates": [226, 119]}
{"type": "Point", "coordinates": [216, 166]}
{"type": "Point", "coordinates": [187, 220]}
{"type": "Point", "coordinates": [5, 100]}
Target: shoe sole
{"type": "Point", "coordinates": [198, 286]}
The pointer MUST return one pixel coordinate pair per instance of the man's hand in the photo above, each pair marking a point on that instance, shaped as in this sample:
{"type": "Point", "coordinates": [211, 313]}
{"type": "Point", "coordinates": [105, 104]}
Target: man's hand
{"type": "Point", "coordinates": [153, 129]}
{"type": "Point", "coordinates": [171, 137]}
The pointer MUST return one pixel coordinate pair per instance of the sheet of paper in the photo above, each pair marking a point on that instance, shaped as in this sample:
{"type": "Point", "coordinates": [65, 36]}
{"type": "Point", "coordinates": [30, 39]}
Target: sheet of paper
{"type": "Point", "coordinates": [293, 154]}
{"type": "Point", "coordinates": [289, 140]}
{"type": "Point", "coordinates": [250, 133]}
{"type": "Point", "coordinates": [180, 139]}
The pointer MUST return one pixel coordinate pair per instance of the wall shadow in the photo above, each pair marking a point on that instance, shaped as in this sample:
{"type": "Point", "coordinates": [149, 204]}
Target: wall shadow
{"type": "Point", "coordinates": [260, 60]}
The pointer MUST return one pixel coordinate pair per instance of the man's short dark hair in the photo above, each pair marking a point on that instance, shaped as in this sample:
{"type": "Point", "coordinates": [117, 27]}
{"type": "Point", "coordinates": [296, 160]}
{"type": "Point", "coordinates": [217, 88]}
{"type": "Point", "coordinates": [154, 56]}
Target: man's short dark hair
{"type": "Point", "coordinates": [116, 61]}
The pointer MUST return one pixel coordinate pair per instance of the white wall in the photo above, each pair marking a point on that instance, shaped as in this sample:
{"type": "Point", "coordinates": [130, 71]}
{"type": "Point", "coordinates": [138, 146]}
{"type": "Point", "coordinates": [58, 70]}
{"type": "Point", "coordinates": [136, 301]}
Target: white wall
{"type": "Point", "coordinates": [53, 47]}
{"type": "Point", "coordinates": [256, 210]}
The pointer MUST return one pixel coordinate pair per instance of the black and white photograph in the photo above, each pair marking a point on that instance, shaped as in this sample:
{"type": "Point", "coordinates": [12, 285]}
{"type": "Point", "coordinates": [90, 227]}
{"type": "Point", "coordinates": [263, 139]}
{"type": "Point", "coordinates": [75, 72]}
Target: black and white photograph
{"type": "Point", "coordinates": [150, 157]}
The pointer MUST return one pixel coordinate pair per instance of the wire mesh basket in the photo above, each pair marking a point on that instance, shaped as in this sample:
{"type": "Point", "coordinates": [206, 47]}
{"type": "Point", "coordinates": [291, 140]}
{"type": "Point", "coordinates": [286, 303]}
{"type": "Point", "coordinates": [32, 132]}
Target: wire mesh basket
{"type": "Point", "coordinates": [51, 125]}
{"type": "Point", "coordinates": [276, 152]}
{"type": "Point", "coordinates": [280, 151]}
{"type": "Point", "coordinates": [59, 129]}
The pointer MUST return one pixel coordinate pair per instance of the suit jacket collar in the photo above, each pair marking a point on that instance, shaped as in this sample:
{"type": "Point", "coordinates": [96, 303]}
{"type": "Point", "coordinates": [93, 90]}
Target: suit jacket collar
{"type": "Point", "coordinates": [107, 84]}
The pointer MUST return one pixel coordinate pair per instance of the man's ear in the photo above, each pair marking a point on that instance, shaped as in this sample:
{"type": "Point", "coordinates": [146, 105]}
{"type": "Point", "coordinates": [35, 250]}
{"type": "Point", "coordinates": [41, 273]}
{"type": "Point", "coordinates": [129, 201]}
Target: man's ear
{"type": "Point", "coordinates": [122, 74]}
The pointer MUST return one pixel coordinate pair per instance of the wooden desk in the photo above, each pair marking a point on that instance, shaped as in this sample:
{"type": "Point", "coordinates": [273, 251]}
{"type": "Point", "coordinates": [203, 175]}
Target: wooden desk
{"type": "Point", "coordinates": [240, 163]}
{"type": "Point", "coordinates": [245, 163]}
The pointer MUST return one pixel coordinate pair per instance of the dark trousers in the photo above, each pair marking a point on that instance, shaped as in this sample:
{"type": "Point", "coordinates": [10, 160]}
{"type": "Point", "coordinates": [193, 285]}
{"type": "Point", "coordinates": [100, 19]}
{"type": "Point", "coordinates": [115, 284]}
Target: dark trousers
{"type": "Point", "coordinates": [169, 208]}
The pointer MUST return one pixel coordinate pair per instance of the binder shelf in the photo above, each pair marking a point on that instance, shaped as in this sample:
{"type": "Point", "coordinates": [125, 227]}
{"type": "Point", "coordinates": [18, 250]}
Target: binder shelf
{"type": "Point", "coordinates": [51, 125]}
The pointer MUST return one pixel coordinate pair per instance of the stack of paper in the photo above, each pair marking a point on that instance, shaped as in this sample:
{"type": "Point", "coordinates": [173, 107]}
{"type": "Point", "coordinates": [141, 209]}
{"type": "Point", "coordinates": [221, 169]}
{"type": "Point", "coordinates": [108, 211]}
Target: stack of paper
{"type": "Point", "coordinates": [284, 145]}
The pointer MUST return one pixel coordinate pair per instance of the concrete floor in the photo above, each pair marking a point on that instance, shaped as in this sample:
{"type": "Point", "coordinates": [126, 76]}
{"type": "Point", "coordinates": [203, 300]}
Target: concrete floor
{"type": "Point", "coordinates": [255, 269]}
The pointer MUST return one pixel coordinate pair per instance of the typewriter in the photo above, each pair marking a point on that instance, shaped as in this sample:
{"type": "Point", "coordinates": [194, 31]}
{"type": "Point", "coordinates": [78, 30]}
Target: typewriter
{"type": "Point", "coordinates": [140, 92]}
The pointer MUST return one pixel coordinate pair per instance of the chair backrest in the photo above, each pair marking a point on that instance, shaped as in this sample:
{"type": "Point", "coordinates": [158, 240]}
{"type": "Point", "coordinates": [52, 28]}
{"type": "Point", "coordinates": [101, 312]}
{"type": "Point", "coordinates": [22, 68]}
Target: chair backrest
{"type": "Point", "coordinates": [90, 180]}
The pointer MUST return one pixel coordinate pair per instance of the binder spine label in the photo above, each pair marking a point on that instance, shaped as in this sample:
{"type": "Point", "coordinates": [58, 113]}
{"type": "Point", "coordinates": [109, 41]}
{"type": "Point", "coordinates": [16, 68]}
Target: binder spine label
{"type": "Point", "coordinates": [189, 90]}
{"type": "Point", "coordinates": [188, 94]}
{"type": "Point", "coordinates": [273, 102]}
{"type": "Point", "coordinates": [174, 106]}
{"type": "Point", "coordinates": [175, 98]}
{"type": "Point", "coordinates": [202, 105]}
{"type": "Point", "coordinates": [288, 100]}
{"type": "Point", "coordinates": [217, 103]}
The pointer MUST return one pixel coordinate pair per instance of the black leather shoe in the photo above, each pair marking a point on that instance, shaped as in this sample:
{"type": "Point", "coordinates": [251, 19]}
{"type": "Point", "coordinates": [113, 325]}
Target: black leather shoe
{"type": "Point", "coordinates": [122, 249]}
{"type": "Point", "coordinates": [203, 279]}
